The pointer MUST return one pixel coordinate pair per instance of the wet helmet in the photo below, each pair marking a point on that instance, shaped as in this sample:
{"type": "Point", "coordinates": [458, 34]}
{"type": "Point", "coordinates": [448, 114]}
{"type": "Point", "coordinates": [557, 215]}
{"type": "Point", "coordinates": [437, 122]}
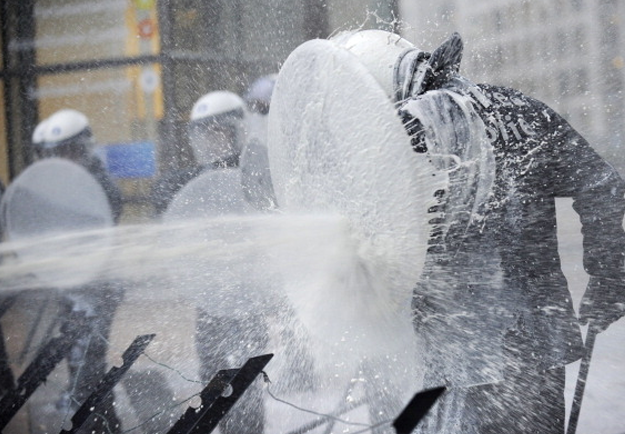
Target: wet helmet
{"type": "Point", "coordinates": [379, 51]}
{"type": "Point", "coordinates": [67, 134]}
{"type": "Point", "coordinates": [258, 97]}
{"type": "Point", "coordinates": [216, 129]}
{"type": "Point", "coordinates": [38, 133]}
{"type": "Point", "coordinates": [398, 66]}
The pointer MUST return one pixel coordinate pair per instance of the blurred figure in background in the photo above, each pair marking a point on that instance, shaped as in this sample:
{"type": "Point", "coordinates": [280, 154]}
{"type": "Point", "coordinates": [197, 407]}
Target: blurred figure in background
{"type": "Point", "coordinates": [67, 134]}
{"type": "Point", "coordinates": [256, 178]}
{"type": "Point", "coordinates": [229, 330]}
{"type": "Point", "coordinates": [7, 300]}
{"type": "Point", "coordinates": [216, 134]}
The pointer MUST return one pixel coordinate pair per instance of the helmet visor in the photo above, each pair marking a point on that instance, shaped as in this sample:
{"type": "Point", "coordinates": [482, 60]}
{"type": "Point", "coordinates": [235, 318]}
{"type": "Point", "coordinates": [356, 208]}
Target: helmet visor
{"type": "Point", "coordinates": [214, 139]}
{"type": "Point", "coordinates": [74, 148]}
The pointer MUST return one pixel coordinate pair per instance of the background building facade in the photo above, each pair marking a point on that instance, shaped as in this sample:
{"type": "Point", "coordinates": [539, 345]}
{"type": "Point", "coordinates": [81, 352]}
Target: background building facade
{"type": "Point", "coordinates": [135, 68]}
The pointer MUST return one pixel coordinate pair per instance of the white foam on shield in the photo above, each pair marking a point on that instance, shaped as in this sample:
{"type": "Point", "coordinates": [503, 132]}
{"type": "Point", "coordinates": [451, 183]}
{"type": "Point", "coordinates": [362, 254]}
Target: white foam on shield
{"type": "Point", "coordinates": [48, 200]}
{"type": "Point", "coordinates": [337, 145]}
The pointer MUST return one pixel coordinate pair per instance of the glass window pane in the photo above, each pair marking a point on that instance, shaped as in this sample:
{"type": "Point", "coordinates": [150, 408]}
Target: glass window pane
{"type": "Point", "coordinates": [123, 104]}
{"type": "Point", "coordinates": [79, 30]}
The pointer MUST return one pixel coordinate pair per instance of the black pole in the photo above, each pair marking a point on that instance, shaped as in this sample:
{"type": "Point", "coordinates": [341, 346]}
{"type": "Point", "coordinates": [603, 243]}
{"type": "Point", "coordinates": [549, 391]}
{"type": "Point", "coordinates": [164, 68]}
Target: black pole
{"type": "Point", "coordinates": [27, 82]}
{"type": "Point", "coordinates": [416, 410]}
{"type": "Point", "coordinates": [8, 100]}
{"type": "Point", "coordinates": [581, 379]}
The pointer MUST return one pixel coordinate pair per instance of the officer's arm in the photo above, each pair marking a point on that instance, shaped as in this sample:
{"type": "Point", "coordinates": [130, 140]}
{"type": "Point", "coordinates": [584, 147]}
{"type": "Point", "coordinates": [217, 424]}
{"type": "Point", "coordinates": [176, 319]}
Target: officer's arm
{"type": "Point", "coordinates": [598, 193]}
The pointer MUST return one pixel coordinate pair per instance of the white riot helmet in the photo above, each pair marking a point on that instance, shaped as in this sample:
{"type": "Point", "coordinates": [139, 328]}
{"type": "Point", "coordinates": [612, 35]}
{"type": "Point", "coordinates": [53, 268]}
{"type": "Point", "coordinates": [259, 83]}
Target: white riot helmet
{"type": "Point", "coordinates": [258, 97]}
{"type": "Point", "coordinates": [67, 134]}
{"type": "Point", "coordinates": [38, 133]}
{"type": "Point", "coordinates": [216, 130]}
{"type": "Point", "coordinates": [379, 51]}
{"type": "Point", "coordinates": [398, 66]}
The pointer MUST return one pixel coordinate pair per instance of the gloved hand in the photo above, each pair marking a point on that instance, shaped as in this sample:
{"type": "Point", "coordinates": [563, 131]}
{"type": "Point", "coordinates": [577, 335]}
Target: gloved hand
{"type": "Point", "coordinates": [603, 302]}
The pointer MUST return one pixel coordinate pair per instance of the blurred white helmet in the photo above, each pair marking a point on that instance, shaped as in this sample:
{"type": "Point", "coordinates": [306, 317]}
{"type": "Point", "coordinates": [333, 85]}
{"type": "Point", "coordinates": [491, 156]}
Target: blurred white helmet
{"type": "Point", "coordinates": [216, 130]}
{"type": "Point", "coordinates": [67, 134]}
{"type": "Point", "coordinates": [216, 103]}
{"type": "Point", "coordinates": [38, 133]}
{"type": "Point", "coordinates": [258, 97]}
{"type": "Point", "coordinates": [380, 52]}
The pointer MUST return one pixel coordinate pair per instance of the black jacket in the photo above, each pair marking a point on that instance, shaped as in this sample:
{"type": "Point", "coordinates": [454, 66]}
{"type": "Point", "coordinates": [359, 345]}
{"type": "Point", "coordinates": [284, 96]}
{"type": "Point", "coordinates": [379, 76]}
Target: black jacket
{"type": "Point", "coordinates": [494, 263]}
{"type": "Point", "coordinates": [95, 166]}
